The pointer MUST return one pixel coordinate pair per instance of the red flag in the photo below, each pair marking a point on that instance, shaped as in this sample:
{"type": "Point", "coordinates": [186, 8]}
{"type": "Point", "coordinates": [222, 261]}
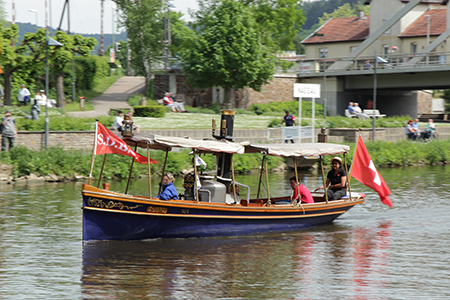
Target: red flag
{"type": "Point", "coordinates": [107, 142]}
{"type": "Point", "coordinates": [364, 171]}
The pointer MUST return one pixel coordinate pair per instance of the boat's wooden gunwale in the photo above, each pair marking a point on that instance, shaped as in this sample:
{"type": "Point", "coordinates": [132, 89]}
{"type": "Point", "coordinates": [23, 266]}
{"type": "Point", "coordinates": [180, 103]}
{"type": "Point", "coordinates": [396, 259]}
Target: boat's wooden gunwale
{"type": "Point", "coordinates": [217, 206]}
{"type": "Point", "coordinates": [217, 216]}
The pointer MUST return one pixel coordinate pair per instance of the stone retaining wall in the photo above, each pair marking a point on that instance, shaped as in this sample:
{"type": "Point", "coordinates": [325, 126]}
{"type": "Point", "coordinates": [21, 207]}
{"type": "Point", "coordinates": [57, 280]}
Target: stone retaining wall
{"type": "Point", "coordinates": [83, 140]}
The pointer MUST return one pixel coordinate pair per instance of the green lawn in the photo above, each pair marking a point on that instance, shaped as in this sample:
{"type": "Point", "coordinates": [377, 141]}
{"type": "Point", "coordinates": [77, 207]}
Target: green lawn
{"type": "Point", "coordinates": [201, 121]}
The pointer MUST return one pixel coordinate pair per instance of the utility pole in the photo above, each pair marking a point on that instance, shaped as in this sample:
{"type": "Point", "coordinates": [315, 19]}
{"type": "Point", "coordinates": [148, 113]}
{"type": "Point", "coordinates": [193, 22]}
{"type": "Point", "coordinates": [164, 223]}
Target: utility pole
{"type": "Point", "coordinates": [102, 3]}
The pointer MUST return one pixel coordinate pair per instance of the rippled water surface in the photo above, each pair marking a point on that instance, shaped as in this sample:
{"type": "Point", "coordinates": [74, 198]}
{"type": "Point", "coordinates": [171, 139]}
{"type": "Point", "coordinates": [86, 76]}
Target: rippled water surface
{"type": "Point", "coordinates": [372, 252]}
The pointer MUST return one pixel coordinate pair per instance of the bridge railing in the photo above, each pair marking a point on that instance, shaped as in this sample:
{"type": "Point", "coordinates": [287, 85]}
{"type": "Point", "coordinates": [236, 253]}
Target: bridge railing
{"type": "Point", "coordinates": [394, 61]}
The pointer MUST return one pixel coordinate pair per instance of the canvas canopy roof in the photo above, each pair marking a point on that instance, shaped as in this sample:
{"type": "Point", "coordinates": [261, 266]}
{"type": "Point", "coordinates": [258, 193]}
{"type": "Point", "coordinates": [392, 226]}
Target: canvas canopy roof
{"type": "Point", "coordinates": [303, 149]}
{"type": "Point", "coordinates": [165, 143]}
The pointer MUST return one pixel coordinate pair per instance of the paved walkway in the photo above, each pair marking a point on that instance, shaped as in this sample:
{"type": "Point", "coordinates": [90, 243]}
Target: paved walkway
{"type": "Point", "coordinates": [114, 97]}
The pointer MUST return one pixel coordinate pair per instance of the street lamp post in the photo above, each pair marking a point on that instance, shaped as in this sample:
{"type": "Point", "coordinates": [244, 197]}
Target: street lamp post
{"type": "Point", "coordinates": [48, 42]}
{"type": "Point", "coordinates": [428, 33]}
{"type": "Point", "coordinates": [36, 15]}
{"type": "Point", "coordinates": [377, 60]}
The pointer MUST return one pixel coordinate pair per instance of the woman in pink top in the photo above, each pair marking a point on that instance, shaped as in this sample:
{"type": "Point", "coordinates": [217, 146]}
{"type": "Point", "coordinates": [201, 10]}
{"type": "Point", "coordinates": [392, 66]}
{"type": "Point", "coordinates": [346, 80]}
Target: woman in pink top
{"type": "Point", "coordinates": [305, 195]}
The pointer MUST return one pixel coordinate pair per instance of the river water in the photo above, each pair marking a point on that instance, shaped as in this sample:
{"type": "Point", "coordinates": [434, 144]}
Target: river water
{"type": "Point", "coordinates": [372, 252]}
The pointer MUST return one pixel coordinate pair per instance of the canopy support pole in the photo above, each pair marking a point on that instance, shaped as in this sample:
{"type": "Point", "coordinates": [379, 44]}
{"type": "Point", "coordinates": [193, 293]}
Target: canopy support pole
{"type": "Point", "coordinates": [196, 175]}
{"type": "Point", "coordinates": [163, 171]}
{"type": "Point", "coordinates": [323, 179]}
{"type": "Point", "coordinates": [149, 172]}
{"type": "Point", "coordinates": [296, 179]}
{"type": "Point", "coordinates": [347, 179]}
{"type": "Point", "coordinates": [131, 170]}
{"type": "Point", "coordinates": [260, 176]}
{"type": "Point", "coordinates": [267, 182]}
{"type": "Point", "coordinates": [101, 171]}
{"type": "Point", "coordinates": [234, 180]}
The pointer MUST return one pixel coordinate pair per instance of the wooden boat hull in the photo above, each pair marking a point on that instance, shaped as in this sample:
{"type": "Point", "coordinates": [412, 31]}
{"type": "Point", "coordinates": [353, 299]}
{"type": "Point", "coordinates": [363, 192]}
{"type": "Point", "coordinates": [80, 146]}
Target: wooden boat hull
{"type": "Point", "coordinates": [112, 216]}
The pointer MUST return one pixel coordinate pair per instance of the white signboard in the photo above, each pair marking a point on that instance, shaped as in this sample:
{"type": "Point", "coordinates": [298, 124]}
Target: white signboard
{"type": "Point", "coordinates": [305, 90]}
{"type": "Point", "coordinates": [289, 132]}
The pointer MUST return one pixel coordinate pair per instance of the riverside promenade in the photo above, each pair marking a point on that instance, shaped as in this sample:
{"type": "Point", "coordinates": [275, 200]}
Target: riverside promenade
{"type": "Point", "coordinates": [115, 96]}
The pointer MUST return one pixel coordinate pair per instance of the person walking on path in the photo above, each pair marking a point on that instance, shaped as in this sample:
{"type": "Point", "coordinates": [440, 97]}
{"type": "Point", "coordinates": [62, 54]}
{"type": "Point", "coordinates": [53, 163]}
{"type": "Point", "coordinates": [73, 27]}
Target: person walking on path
{"type": "Point", "coordinates": [24, 95]}
{"type": "Point", "coordinates": [8, 130]}
{"type": "Point", "coordinates": [289, 120]}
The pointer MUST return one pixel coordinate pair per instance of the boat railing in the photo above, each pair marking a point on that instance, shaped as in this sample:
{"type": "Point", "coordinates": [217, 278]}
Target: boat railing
{"type": "Point", "coordinates": [238, 184]}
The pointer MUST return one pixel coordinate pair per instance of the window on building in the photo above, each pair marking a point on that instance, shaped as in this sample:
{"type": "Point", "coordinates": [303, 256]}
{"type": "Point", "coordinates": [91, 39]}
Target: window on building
{"type": "Point", "coordinates": [352, 48]}
{"type": "Point", "coordinates": [385, 50]}
{"type": "Point", "coordinates": [323, 52]}
{"type": "Point", "coordinates": [413, 47]}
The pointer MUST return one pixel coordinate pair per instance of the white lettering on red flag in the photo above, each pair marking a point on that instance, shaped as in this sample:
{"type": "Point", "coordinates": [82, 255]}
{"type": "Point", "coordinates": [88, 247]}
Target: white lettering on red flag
{"type": "Point", "coordinates": [364, 170]}
{"type": "Point", "coordinates": [107, 142]}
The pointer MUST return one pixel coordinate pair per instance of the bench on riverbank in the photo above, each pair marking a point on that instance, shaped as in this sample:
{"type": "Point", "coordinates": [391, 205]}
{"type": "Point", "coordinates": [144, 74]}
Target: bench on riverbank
{"type": "Point", "coordinates": [349, 115]}
{"type": "Point", "coordinates": [370, 113]}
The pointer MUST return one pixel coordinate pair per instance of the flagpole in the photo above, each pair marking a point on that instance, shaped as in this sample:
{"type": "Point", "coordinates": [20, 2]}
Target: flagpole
{"type": "Point", "coordinates": [93, 151]}
{"type": "Point", "coordinates": [354, 155]}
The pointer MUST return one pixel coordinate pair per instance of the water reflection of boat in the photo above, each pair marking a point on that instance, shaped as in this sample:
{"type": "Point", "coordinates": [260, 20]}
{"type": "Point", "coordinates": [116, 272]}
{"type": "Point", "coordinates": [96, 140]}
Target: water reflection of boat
{"type": "Point", "coordinates": [214, 208]}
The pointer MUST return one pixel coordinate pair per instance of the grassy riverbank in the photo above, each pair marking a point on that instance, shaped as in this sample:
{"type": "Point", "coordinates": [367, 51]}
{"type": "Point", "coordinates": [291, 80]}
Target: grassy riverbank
{"type": "Point", "coordinates": [66, 164]}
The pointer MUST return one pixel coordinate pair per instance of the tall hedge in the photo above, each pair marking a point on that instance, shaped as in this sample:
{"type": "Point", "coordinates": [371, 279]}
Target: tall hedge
{"type": "Point", "coordinates": [150, 111]}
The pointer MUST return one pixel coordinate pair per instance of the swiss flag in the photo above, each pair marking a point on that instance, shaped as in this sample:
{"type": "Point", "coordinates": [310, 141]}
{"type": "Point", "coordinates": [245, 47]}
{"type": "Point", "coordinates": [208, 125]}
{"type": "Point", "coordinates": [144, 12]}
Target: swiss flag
{"type": "Point", "coordinates": [107, 142]}
{"type": "Point", "coordinates": [364, 170]}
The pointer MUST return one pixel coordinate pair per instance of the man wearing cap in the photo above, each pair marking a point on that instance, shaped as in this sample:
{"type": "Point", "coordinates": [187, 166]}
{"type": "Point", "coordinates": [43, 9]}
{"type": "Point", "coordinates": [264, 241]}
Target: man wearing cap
{"type": "Point", "coordinates": [24, 95]}
{"type": "Point", "coordinates": [336, 180]}
{"type": "Point", "coordinates": [9, 131]}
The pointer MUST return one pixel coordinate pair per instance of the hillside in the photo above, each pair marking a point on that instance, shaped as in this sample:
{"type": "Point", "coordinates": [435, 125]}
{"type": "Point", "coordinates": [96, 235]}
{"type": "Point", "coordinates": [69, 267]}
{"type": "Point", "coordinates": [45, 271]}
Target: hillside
{"type": "Point", "coordinates": [107, 38]}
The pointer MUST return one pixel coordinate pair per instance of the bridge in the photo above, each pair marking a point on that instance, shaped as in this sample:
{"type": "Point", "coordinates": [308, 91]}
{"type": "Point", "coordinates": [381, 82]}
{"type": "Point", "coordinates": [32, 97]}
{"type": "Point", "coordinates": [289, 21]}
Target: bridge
{"type": "Point", "coordinates": [397, 80]}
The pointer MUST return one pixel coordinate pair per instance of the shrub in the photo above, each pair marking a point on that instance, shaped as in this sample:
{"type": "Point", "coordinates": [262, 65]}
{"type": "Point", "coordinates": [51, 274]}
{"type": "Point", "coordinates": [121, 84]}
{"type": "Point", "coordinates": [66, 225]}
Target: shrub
{"type": "Point", "coordinates": [150, 111]}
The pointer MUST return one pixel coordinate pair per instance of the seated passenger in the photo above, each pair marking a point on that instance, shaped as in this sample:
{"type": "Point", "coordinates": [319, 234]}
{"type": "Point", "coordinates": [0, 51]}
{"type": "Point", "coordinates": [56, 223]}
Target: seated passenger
{"type": "Point", "coordinates": [305, 195]}
{"type": "Point", "coordinates": [168, 190]}
{"type": "Point", "coordinates": [229, 198]}
{"type": "Point", "coordinates": [337, 180]}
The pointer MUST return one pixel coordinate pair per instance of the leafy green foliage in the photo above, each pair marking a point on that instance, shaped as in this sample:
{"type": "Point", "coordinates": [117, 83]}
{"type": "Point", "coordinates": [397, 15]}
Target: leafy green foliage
{"type": "Point", "coordinates": [134, 100]}
{"type": "Point", "coordinates": [344, 11]}
{"type": "Point", "coordinates": [281, 107]}
{"type": "Point", "coordinates": [227, 50]}
{"type": "Point", "coordinates": [155, 111]}
{"type": "Point", "coordinates": [61, 123]}
{"type": "Point", "coordinates": [344, 122]}
{"type": "Point", "coordinates": [277, 21]}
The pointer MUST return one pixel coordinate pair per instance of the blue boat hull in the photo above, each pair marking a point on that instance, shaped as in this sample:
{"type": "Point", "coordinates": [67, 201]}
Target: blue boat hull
{"type": "Point", "coordinates": [110, 217]}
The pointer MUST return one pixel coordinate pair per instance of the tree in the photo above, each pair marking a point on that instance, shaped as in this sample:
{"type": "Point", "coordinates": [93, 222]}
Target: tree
{"type": "Point", "coordinates": [344, 11]}
{"type": "Point", "coordinates": [25, 57]}
{"type": "Point", "coordinates": [278, 21]}
{"type": "Point", "coordinates": [143, 21]}
{"type": "Point", "coordinates": [60, 56]}
{"type": "Point", "coordinates": [227, 51]}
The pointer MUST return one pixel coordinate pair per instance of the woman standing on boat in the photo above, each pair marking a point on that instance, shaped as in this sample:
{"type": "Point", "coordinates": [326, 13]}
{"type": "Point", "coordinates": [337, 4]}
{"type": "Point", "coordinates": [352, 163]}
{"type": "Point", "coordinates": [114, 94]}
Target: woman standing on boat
{"type": "Point", "coordinates": [168, 190]}
{"type": "Point", "coordinates": [337, 179]}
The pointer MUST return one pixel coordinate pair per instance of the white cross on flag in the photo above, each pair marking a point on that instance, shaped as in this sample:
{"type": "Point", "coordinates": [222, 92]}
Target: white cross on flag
{"type": "Point", "coordinates": [364, 170]}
